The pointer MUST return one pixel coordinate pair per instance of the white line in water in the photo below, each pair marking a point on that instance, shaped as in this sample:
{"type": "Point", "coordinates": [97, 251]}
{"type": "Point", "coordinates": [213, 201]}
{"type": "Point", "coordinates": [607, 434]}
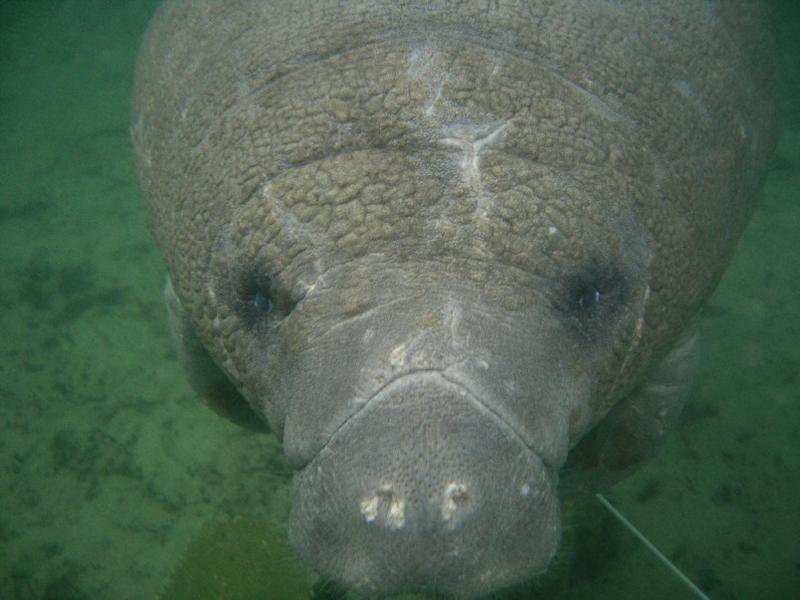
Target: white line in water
{"type": "Point", "coordinates": [660, 555]}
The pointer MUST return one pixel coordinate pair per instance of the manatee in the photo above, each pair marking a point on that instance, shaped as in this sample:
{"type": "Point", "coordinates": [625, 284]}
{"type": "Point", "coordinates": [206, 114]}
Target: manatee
{"type": "Point", "coordinates": [450, 253]}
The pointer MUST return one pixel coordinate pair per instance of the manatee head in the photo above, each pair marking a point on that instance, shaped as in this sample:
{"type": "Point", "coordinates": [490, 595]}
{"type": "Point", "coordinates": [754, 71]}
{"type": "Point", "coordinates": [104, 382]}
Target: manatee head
{"type": "Point", "coordinates": [428, 351]}
{"type": "Point", "coordinates": [434, 249]}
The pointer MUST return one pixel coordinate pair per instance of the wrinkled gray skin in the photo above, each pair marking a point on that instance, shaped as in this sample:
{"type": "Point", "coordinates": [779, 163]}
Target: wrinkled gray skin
{"type": "Point", "coordinates": [435, 245]}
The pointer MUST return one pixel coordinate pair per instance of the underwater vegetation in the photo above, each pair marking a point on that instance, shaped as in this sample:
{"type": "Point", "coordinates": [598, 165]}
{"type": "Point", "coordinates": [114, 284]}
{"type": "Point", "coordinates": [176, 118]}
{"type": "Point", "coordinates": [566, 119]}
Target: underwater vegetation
{"type": "Point", "coordinates": [251, 559]}
{"type": "Point", "coordinates": [239, 559]}
{"type": "Point", "coordinates": [247, 559]}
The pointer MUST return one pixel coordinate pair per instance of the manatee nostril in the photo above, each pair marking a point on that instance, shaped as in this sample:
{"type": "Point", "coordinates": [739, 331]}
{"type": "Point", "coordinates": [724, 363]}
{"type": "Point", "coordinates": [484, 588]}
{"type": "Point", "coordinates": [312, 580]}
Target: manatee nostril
{"type": "Point", "coordinates": [387, 508]}
{"type": "Point", "coordinates": [455, 503]}
{"type": "Point", "coordinates": [384, 508]}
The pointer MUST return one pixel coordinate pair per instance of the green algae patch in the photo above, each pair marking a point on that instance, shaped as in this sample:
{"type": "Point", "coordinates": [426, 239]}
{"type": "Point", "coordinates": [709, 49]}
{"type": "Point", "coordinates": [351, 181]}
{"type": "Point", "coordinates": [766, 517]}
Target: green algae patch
{"type": "Point", "coordinates": [239, 559]}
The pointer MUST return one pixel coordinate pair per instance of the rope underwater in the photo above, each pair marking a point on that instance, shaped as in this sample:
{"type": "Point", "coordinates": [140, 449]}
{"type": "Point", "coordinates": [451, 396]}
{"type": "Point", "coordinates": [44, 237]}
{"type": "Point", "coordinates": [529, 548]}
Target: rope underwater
{"type": "Point", "coordinates": [660, 555]}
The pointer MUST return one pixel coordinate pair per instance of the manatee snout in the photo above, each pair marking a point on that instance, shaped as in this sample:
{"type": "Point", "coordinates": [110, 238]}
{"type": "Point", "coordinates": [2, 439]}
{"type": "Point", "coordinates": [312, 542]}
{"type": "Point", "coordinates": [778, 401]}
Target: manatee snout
{"type": "Point", "coordinates": [428, 460]}
{"type": "Point", "coordinates": [426, 489]}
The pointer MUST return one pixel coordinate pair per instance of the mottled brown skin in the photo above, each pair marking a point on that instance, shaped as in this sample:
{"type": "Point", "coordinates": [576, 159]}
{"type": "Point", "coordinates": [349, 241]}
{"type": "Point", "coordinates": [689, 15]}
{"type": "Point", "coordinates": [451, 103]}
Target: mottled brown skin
{"type": "Point", "coordinates": [436, 245]}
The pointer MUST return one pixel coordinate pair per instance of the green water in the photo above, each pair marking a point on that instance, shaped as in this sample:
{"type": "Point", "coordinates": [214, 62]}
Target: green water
{"type": "Point", "coordinates": [110, 468]}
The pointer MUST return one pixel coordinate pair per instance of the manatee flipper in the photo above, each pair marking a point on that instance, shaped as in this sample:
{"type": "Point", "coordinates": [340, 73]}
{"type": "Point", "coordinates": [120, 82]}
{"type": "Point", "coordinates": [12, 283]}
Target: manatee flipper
{"type": "Point", "coordinates": [636, 427]}
{"type": "Point", "coordinates": [203, 374]}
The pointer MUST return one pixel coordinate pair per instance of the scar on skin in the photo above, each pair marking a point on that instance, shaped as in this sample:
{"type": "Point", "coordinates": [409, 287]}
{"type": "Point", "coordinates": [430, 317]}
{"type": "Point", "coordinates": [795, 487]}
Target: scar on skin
{"type": "Point", "coordinates": [472, 147]}
{"type": "Point", "coordinates": [429, 107]}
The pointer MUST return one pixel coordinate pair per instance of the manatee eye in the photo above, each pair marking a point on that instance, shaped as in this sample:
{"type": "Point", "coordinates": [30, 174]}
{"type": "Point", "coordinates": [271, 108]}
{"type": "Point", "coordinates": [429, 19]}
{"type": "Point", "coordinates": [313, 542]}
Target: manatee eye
{"type": "Point", "coordinates": [258, 299]}
{"type": "Point", "coordinates": [262, 302]}
{"type": "Point", "coordinates": [595, 300]}
{"type": "Point", "coordinates": [590, 299]}
{"type": "Point", "coordinates": [593, 297]}
{"type": "Point", "coordinates": [253, 297]}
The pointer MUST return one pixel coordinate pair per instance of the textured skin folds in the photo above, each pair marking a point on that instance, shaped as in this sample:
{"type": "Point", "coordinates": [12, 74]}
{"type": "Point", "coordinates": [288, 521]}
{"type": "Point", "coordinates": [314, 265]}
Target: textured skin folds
{"type": "Point", "coordinates": [436, 245]}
